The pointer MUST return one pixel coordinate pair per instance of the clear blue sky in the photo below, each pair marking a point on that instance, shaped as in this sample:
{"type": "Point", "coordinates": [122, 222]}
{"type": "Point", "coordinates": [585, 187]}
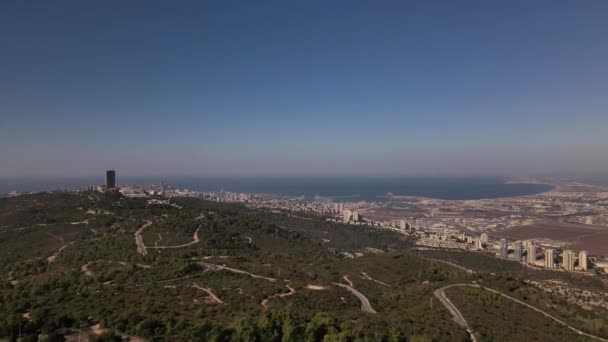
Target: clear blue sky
{"type": "Point", "coordinates": [208, 88]}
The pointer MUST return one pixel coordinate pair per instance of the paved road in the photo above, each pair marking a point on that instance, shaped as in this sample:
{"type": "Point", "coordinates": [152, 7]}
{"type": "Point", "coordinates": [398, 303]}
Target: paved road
{"type": "Point", "coordinates": [365, 305]}
{"type": "Point", "coordinates": [457, 316]}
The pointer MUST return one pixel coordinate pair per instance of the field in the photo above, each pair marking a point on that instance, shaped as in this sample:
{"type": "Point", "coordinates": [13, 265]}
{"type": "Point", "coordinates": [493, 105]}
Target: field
{"type": "Point", "coordinates": [594, 239]}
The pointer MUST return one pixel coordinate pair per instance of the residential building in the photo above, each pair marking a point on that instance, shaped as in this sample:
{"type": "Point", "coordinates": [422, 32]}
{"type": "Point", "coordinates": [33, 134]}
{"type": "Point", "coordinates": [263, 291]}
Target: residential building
{"type": "Point", "coordinates": [484, 237]}
{"type": "Point", "coordinates": [504, 248]}
{"type": "Point", "coordinates": [346, 214]}
{"type": "Point", "coordinates": [518, 250]}
{"type": "Point", "coordinates": [583, 263]}
{"type": "Point", "coordinates": [549, 258]}
{"type": "Point", "coordinates": [478, 244]}
{"type": "Point", "coordinates": [531, 254]}
{"type": "Point", "coordinates": [568, 258]}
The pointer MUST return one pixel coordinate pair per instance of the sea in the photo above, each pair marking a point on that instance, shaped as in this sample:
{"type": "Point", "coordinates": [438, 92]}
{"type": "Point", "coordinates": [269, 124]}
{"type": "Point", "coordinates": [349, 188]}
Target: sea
{"type": "Point", "coordinates": [333, 188]}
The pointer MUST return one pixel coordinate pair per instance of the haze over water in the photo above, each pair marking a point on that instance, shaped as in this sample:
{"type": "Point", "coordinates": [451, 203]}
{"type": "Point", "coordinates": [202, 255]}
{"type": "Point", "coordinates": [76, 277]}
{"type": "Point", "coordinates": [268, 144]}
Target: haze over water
{"type": "Point", "coordinates": [350, 188]}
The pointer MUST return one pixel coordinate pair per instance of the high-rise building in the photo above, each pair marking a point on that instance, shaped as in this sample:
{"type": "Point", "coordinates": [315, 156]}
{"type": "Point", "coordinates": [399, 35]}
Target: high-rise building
{"type": "Point", "coordinates": [568, 260]}
{"type": "Point", "coordinates": [346, 214]}
{"type": "Point", "coordinates": [531, 254]}
{"type": "Point", "coordinates": [341, 208]}
{"type": "Point", "coordinates": [355, 216]}
{"type": "Point", "coordinates": [484, 237]}
{"type": "Point", "coordinates": [478, 244]}
{"type": "Point", "coordinates": [402, 225]}
{"type": "Point", "coordinates": [336, 207]}
{"type": "Point", "coordinates": [583, 264]}
{"type": "Point", "coordinates": [518, 250]}
{"type": "Point", "coordinates": [504, 248]}
{"type": "Point", "coordinates": [549, 258]}
{"type": "Point", "coordinates": [110, 179]}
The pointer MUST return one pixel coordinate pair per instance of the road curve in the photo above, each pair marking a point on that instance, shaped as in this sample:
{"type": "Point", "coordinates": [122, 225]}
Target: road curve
{"type": "Point", "coordinates": [291, 292]}
{"type": "Point", "coordinates": [456, 314]}
{"type": "Point", "coordinates": [365, 305]}
{"type": "Point", "coordinates": [194, 241]}
{"type": "Point", "coordinates": [209, 292]}
{"type": "Point", "coordinates": [139, 240]}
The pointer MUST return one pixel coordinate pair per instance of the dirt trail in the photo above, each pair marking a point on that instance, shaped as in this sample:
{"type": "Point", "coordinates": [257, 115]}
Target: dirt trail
{"type": "Point", "coordinates": [215, 267]}
{"type": "Point", "coordinates": [207, 290]}
{"type": "Point", "coordinates": [470, 271]}
{"type": "Point", "coordinates": [160, 238]}
{"type": "Point", "coordinates": [56, 237]}
{"type": "Point", "coordinates": [52, 258]}
{"type": "Point", "coordinates": [291, 292]}
{"type": "Point", "coordinates": [346, 279]}
{"type": "Point", "coordinates": [139, 240]}
{"type": "Point", "coordinates": [366, 276]}
{"type": "Point", "coordinates": [80, 222]}
{"type": "Point", "coordinates": [194, 238]}
{"type": "Point", "coordinates": [85, 269]}
{"type": "Point", "coordinates": [316, 287]}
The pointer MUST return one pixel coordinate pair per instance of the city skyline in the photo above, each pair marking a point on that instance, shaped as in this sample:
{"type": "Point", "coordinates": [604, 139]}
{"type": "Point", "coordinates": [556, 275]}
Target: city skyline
{"type": "Point", "coordinates": [279, 89]}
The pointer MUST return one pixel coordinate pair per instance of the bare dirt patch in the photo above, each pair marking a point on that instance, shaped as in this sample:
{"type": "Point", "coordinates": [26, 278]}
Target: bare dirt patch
{"type": "Point", "coordinates": [594, 239]}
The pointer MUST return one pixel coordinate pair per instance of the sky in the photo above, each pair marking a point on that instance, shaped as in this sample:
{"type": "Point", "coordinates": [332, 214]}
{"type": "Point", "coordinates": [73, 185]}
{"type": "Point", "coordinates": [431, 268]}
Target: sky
{"type": "Point", "coordinates": [303, 88]}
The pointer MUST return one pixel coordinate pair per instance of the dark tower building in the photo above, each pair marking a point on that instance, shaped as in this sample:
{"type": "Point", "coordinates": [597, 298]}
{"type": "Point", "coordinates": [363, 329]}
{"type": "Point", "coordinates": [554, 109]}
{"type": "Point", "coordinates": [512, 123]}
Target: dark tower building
{"type": "Point", "coordinates": [110, 179]}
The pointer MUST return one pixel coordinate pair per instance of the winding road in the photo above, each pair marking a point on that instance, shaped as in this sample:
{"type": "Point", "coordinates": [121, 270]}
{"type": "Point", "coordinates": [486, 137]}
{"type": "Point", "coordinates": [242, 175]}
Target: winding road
{"type": "Point", "coordinates": [143, 249]}
{"type": "Point", "coordinates": [456, 314]}
{"type": "Point", "coordinates": [365, 304]}
{"type": "Point", "coordinates": [52, 258]}
{"type": "Point", "coordinates": [207, 290]}
{"type": "Point", "coordinates": [139, 240]}
{"type": "Point", "coordinates": [195, 240]}
{"type": "Point", "coordinates": [291, 292]}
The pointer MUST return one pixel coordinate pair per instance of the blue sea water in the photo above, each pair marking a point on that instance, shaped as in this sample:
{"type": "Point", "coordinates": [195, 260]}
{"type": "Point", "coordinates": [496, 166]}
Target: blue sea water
{"type": "Point", "coordinates": [368, 189]}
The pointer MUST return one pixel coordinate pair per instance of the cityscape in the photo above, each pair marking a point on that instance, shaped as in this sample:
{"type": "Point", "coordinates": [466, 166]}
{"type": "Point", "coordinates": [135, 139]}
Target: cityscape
{"type": "Point", "coordinates": [303, 171]}
{"type": "Point", "coordinates": [541, 253]}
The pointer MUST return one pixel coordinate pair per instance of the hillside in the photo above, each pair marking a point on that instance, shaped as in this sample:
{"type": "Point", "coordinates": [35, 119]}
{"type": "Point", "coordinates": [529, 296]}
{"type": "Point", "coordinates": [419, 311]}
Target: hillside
{"type": "Point", "coordinates": [111, 268]}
